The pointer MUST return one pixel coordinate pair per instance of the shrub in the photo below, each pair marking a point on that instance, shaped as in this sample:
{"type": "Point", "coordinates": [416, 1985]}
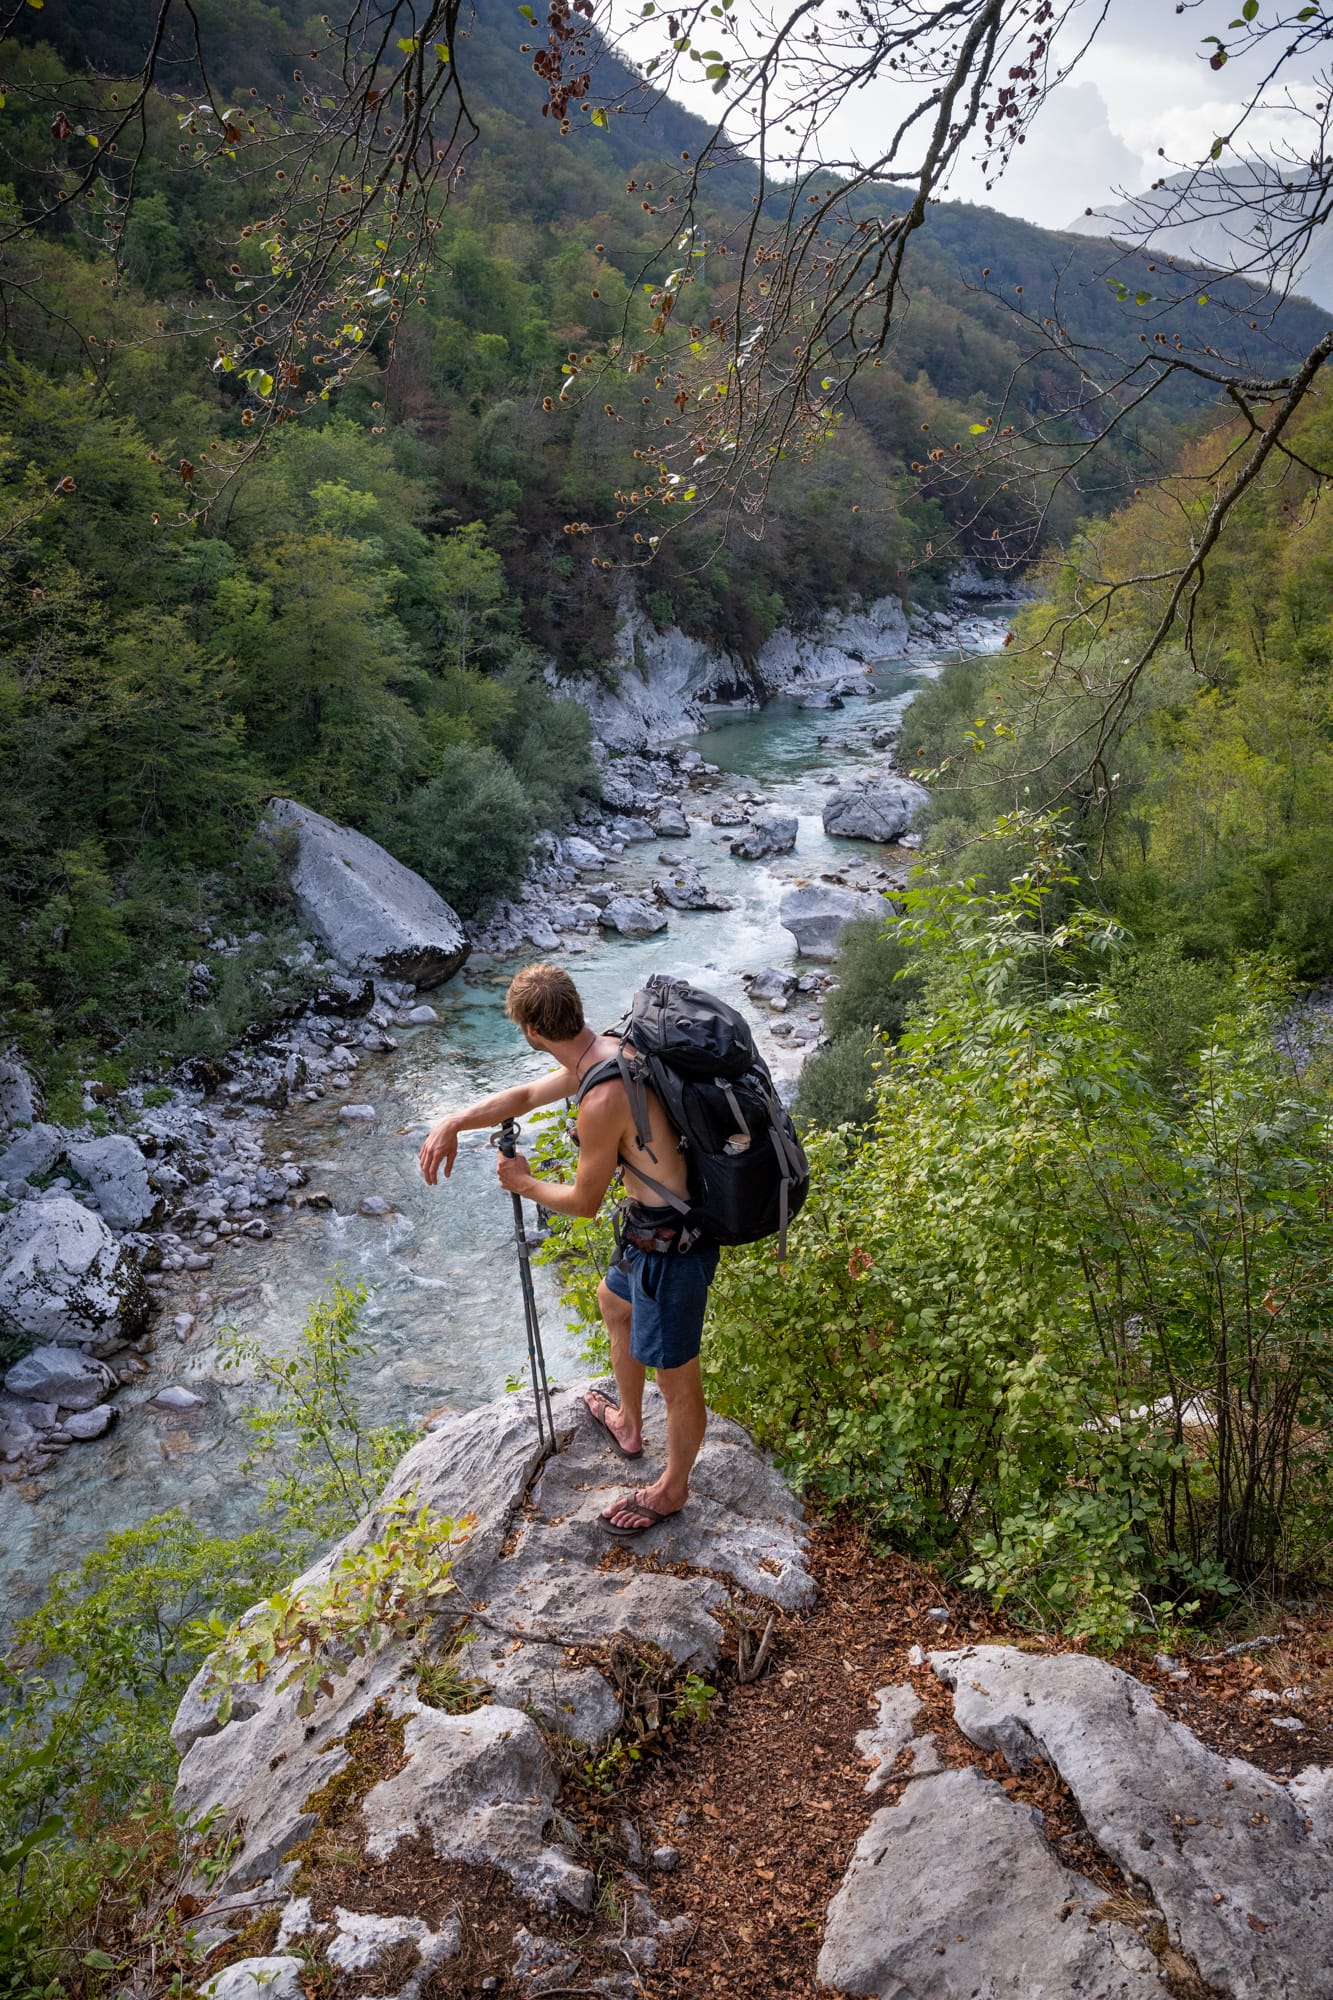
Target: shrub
{"type": "Point", "coordinates": [469, 831]}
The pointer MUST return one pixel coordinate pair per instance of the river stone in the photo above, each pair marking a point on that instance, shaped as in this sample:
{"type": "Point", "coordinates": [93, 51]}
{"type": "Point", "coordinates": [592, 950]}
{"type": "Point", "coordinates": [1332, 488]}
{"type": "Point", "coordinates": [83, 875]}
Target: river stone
{"type": "Point", "coordinates": [631, 917]}
{"type": "Point", "coordinates": [882, 810]}
{"type": "Point", "coordinates": [375, 916]}
{"type": "Point", "coordinates": [685, 889]}
{"type": "Point", "coordinates": [61, 1375]}
{"type": "Point", "coordinates": [257, 1979]}
{"type": "Point", "coordinates": [818, 915]}
{"type": "Point", "coordinates": [117, 1173]}
{"type": "Point", "coordinates": [541, 935]}
{"type": "Point", "coordinates": [669, 822]}
{"type": "Point", "coordinates": [63, 1277]}
{"type": "Point", "coordinates": [20, 1098]}
{"type": "Point", "coordinates": [1245, 1886]}
{"type": "Point", "coordinates": [955, 1893]}
{"type": "Point", "coordinates": [423, 1016]}
{"type": "Point", "coordinates": [772, 984]}
{"type": "Point", "coordinates": [578, 853]}
{"type": "Point", "coordinates": [85, 1425]}
{"type": "Point", "coordinates": [176, 1397]}
{"type": "Point", "coordinates": [357, 1114]}
{"type": "Point", "coordinates": [23, 1410]}
{"type": "Point", "coordinates": [31, 1154]}
{"type": "Point", "coordinates": [768, 833]}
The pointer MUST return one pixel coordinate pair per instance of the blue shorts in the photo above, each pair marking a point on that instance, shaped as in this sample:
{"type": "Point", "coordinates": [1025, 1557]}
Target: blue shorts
{"type": "Point", "coordinates": [667, 1296]}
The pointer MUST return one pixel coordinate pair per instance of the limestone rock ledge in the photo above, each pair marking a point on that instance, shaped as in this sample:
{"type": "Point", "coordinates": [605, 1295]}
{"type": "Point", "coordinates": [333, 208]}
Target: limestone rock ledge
{"type": "Point", "coordinates": [954, 1891]}
{"type": "Point", "coordinates": [481, 1787]}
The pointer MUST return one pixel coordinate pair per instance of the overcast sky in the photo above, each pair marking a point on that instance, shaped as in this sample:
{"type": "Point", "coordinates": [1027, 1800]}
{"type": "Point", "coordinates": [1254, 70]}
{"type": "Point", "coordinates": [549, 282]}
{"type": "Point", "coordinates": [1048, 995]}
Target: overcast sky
{"type": "Point", "coordinates": [1144, 84]}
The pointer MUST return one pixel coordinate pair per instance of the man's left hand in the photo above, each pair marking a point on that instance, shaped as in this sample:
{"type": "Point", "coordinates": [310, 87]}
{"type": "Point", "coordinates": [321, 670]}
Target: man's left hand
{"type": "Point", "coordinates": [515, 1174]}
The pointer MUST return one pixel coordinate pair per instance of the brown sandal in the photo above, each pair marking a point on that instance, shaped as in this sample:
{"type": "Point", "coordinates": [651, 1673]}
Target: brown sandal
{"type": "Point", "coordinates": [633, 1503]}
{"type": "Point", "coordinates": [603, 1425]}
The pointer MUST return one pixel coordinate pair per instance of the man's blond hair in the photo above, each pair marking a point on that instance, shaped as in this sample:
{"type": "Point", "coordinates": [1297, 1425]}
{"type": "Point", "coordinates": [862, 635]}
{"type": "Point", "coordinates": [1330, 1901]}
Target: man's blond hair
{"type": "Point", "coordinates": [543, 1000]}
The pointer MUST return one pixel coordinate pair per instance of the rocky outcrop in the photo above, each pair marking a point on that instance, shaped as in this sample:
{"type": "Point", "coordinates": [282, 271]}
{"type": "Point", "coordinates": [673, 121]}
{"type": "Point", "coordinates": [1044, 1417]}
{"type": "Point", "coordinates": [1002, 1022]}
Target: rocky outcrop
{"type": "Point", "coordinates": [838, 649]}
{"type": "Point", "coordinates": [658, 685]}
{"type": "Point", "coordinates": [480, 1787]}
{"type": "Point", "coordinates": [373, 914]}
{"type": "Point", "coordinates": [955, 1893]}
{"type": "Point", "coordinates": [64, 1279]}
{"type": "Point", "coordinates": [817, 916]}
{"type": "Point", "coordinates": [881, 810]}
{"type": "Point", "coordinates": [956, 1890]}
{"type": "Point", "coordinates": [1242, 1878]}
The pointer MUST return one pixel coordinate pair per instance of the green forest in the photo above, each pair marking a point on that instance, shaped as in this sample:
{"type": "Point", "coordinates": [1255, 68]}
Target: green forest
{"type": "Point", "coordinates": [403, 553]}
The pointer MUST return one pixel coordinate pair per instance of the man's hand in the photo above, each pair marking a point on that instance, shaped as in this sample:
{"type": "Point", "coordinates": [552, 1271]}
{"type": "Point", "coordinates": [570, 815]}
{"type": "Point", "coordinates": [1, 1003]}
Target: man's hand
{"type": "Point", "coordinates": [515, 1174]}
{"type": "Point", "coordinates": [440, 1150]}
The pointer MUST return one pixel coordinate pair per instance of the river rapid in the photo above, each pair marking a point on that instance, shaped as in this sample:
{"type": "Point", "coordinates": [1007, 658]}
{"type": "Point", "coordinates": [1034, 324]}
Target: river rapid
{"type": "Point", "coordinates": [445, 1314]}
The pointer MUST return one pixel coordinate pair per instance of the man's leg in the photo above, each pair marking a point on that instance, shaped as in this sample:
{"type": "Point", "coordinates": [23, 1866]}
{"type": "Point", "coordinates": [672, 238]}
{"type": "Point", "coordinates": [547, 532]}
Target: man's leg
{"type": "Point", "coordinates": [630, 1375]}
{"type": "Point", "coordinates": [686, 1419]}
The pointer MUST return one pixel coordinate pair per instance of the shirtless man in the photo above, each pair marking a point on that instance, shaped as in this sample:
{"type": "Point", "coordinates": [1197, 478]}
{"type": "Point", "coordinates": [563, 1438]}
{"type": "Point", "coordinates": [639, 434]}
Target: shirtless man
{"type": "Point", "coordinates": [653, 1298]}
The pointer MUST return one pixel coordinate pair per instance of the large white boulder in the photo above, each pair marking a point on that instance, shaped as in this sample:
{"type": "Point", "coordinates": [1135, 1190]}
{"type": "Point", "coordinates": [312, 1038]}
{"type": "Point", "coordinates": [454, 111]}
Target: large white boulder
{"type": "Point", "coordinates": [374, 914]}
{"type": "Point", "coordinates": [117, 1173]}
{"type": "Point", "coordinates": [881, 810]}
{"type": "Point", "coordinates": [64, 1279]}
{"type": "Point", "coordinates": [817, 915]}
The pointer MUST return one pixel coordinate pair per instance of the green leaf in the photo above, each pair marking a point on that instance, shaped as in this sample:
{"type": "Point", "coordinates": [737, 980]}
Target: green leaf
{"type": "Point", "coordinates": [528, 14]}
{"type": "Point", "coordinates": [598, 116]}
{"type": "Point", "coordinates": [1142, 298]}
{"type": "Point", "coordinates": [265, 385]}
{"type": "Point", "coordinates": [442, 51]}
{"type": "Point", "coordinates": [1215, 151]}
{"type": "Point", "coordinates": [99, 1961]}
{"type": "Point", "coordinates": [1250, 9]}
{"type": "Point", "coordinates": [977, 430]}
{"type": "Point", "coordinates": [409, 44]}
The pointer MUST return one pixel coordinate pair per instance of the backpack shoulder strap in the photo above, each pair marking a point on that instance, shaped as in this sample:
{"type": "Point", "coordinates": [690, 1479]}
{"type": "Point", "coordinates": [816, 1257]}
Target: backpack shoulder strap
{"type": "Point", "coordinates": [631, 1074]}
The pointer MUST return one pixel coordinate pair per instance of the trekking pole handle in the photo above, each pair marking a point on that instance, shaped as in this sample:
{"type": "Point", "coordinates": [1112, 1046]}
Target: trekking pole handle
{"type": "Point", "coordinates": [507, 1138]}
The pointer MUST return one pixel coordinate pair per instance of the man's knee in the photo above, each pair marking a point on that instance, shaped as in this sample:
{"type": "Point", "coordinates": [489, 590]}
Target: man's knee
{"type": "Point", "coordinates": [614, 1309]}
{"type": "Point", "coordinates": [683, 1385]}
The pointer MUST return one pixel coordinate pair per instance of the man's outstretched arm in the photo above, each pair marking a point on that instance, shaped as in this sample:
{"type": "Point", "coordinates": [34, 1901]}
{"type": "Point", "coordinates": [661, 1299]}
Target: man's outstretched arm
{"type": "Point", "coordinates": [441, 1146]}
{"type": "Point", "coordinates": [601, 1118]}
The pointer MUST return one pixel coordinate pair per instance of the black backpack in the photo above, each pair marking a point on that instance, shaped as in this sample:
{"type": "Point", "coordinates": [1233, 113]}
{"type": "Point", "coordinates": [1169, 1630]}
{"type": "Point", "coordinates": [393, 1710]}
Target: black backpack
{"type": "Point", "coordinates": [748, 1175]}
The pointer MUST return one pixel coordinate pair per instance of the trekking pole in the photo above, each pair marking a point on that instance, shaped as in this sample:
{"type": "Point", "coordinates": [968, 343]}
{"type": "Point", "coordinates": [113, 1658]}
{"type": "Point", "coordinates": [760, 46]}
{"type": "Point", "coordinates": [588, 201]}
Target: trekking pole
{"type": "Point", "coordinates": [506, 1140]}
